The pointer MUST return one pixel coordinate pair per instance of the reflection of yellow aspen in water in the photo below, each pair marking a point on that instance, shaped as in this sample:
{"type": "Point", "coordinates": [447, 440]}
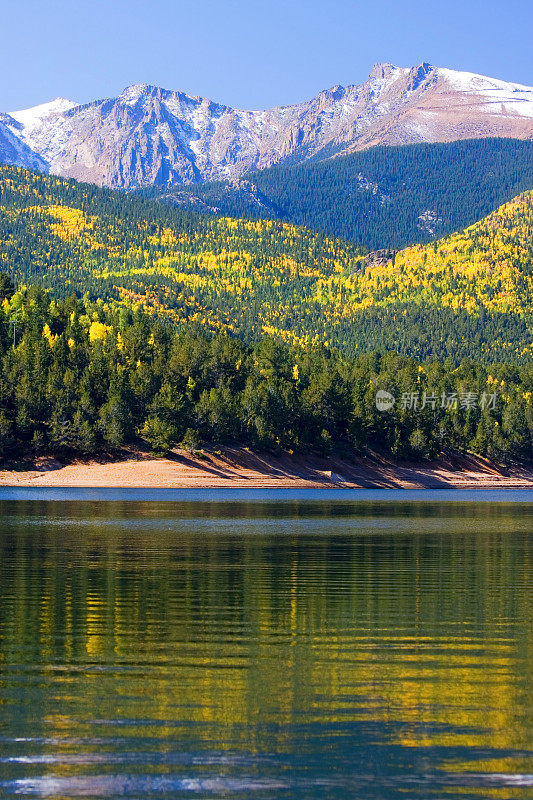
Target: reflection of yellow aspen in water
{"type": "Point", "coordinates": [95, 641]}
{"type": "Point", "coordinates": [46, 620]}
{"type": "Point", "coordinates": [231, 639]}
{"type": "Point", "coordinates": [294, 594]}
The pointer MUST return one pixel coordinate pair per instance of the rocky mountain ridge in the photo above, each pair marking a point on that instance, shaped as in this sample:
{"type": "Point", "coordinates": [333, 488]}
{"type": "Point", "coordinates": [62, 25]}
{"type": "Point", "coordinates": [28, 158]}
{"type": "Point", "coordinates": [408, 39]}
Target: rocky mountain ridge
{"type": "Point", "coordinates": [152, 136]}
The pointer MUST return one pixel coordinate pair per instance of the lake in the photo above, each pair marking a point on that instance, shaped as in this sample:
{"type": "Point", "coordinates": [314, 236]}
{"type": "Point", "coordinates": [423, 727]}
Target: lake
{"type": "Point", "coordinates": [285, 645]}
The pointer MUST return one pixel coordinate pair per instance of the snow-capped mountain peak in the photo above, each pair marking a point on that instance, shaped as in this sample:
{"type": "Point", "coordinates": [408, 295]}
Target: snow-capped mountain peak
{"type": "Point", "coordinates": [149, 135]}
{"type": "Point", "coordinates": [495, 95]}
{"type": "Point", "coordinates": [132, 94]}
{"type": "Point", "coordinates": [33, 116]}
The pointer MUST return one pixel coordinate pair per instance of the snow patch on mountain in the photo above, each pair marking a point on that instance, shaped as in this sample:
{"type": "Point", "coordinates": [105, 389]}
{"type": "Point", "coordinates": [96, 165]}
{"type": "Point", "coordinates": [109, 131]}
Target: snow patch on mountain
{"type": "Point", "coordinates": [30, 117]}
{"type": "Point", "coordinates": [132, 94]}
{"type": "Point", "coordinates": [513, 98]}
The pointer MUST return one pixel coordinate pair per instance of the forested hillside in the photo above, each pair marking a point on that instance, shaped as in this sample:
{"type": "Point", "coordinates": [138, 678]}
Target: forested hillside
{"type": "Point", "coordinates": [381, 197]}
{"type": "Point", "coordinates": [468, 295]}
{"type": "Point", "coordinates": [78, 377]}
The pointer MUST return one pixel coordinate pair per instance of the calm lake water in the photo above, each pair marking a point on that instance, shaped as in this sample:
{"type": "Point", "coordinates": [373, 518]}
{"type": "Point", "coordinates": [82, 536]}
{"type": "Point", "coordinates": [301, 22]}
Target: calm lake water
{"type": "Point", "coordinates": [288, 646]}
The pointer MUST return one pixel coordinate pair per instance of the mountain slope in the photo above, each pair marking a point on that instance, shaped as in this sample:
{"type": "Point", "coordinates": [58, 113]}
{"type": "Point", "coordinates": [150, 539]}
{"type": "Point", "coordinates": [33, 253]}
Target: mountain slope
{"type": "Point", "coordinates": [380, 197]}
{"type": "Point", "coordinates": [468, 295]}
{"type": "Point", "coordinates": [74, 236]}
{"type": "Point", "coordinates": [13, 150]}
{"type": "Point", "coordinates": [153, 136]}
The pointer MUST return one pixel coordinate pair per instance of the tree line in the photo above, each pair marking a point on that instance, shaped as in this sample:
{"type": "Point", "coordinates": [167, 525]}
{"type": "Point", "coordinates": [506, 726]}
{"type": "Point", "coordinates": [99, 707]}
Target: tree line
{"type": "Point", "coordinates": [80, 377]}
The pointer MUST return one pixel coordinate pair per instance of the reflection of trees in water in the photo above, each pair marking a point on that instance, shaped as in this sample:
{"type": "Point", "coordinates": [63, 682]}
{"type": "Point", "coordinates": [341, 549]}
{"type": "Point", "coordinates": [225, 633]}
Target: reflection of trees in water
{"type": "Point", "coordinates": [417, 617]}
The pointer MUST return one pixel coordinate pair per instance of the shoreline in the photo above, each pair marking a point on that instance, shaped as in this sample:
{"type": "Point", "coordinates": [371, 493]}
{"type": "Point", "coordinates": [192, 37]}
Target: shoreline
{"type": "Point", "coordinates": [241, 469]}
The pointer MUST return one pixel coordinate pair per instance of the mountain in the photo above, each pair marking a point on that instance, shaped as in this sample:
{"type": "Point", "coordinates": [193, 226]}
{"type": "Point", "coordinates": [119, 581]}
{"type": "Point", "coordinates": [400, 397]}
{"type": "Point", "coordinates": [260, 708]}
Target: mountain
{"type": "Point", "coordinates": [13, 150]}
{"type": "Point", "coordinates": [468, 295]}
{"type": "Point", "coordinates": [382, 197]}
{"type": "Point", "coordinates": [152, 136]}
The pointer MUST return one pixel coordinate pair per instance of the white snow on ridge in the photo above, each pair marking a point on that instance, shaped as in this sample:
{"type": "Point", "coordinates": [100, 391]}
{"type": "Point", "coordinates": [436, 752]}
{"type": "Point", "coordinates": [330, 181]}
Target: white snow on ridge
{"type": "Point", "coordinates": [514, 97]}
{"type": "Point", "coordinates": [471, 81]}
{"type": "Point", "coordinates": [44, 128]}
{"type": "Point", "coordinates": [132, 94]}
{"type": "Point", "coordinates": [29, 117]}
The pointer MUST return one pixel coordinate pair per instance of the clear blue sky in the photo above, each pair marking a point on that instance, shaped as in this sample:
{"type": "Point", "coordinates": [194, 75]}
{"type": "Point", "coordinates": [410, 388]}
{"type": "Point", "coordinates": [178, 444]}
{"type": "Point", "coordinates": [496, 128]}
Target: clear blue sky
{"type": "Point", "coordinates": [248, 54]}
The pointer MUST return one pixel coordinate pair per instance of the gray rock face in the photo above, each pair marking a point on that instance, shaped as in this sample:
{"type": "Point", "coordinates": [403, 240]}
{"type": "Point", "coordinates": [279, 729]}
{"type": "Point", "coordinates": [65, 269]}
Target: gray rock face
{"type": "Point", "coordinates": [153, 136]}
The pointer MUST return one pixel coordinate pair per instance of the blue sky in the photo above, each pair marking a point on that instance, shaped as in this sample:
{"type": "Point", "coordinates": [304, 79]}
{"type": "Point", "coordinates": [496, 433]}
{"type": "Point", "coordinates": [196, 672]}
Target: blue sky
{"type": "Point", "coordinates": [248, 54]}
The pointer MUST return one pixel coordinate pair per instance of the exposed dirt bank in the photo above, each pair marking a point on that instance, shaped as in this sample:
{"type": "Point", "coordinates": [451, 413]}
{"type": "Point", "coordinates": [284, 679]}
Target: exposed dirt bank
{"type": "Point", "coordinates": [238, 468]}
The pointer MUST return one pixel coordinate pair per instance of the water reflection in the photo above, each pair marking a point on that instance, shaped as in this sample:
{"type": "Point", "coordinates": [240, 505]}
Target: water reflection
{"type": "Point", "coordinates": [287, 650]}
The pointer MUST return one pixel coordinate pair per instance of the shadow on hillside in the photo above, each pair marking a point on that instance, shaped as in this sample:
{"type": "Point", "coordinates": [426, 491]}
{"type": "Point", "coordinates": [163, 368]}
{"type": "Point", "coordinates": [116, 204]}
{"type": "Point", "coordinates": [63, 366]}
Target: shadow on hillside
{"type": "Point", "coordinates": [369, 471]}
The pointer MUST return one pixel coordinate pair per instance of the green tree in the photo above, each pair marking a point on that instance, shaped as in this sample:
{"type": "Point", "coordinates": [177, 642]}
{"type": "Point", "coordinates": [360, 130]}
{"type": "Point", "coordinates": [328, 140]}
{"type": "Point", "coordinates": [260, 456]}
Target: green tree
{"type": "Point", "coordinates": [160, 434]}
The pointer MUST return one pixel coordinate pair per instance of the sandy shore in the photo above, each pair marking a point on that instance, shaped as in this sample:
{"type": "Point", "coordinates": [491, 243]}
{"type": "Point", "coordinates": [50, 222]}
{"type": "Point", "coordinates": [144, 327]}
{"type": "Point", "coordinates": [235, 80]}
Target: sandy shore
{"type": "Point", "coordinates": [242, 469]}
